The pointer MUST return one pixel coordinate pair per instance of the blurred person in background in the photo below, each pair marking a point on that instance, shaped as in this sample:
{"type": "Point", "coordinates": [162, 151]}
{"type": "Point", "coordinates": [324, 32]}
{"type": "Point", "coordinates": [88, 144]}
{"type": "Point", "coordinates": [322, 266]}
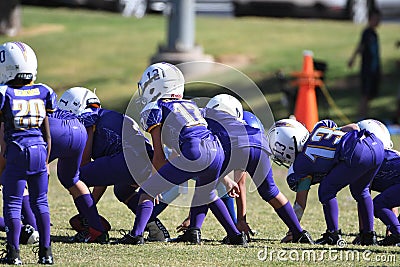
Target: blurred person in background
{"type": "Point", "coordinates": [370, 72]}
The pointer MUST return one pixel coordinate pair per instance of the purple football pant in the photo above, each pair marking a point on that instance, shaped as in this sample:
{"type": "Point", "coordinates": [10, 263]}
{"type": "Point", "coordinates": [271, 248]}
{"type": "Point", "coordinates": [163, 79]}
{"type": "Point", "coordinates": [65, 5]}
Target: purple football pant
{"type": "Point", "coordinates": [383, 204]}
{"type": "Point", "coordinates": [202, 159]}
{"type": "Point", "coordinates": [112, 170]}
{"type": "Point", "coordinates": [68, 138]}
{"type": "Point", "coordinates": [26, 166]}
{"type": "Point", "coordinates": [358, 172]}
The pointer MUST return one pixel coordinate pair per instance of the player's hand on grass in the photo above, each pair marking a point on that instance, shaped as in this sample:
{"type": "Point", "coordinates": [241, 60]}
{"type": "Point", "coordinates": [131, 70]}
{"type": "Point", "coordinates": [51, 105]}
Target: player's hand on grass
{"type": "Point", "coordinates": [184, 225]}
{"type": "Point", "coordinates": [243, 226]}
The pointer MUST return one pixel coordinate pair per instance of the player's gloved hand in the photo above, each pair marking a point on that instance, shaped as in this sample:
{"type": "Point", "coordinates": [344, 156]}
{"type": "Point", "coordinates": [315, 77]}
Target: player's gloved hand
{"type": "Point", "coordinates": [243, 226]}
{"type": "Point", "coordinates": [184, 225]}
{"type": "Point", "coordinates": [288, 238]}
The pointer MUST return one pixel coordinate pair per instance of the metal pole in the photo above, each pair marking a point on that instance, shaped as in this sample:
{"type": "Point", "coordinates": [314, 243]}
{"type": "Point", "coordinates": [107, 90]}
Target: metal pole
{"type": "Point", "coordinates": [181, 27]}
{"type": "Point", "coordinates": [181, 45]}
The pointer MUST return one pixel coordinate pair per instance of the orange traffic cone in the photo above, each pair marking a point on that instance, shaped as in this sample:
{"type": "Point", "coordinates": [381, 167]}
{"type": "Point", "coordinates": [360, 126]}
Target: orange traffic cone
{"type": "Point", "coordinates": [306, 109]}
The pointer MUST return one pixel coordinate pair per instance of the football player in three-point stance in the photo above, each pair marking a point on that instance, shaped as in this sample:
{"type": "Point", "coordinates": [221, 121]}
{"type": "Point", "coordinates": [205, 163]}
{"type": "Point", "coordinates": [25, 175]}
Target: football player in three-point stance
{"type": "Point", "coordinates": [113, 139]}
{"type": "Point", "coordinates": [340, 158]}
{"type": "Point", "coordinates": [386, 181]}
{"type": "Point", "coordinates": [240, 141]}
{"type": "Point", "coordinates": [178, 124]}
{"type": "Point", "coordinates": [68, 142]}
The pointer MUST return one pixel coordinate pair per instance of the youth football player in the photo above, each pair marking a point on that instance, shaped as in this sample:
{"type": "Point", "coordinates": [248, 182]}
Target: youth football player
{"type": "Point", "coordinates": [178, 124]}
{"type": "Point", "coordinates": [24, 106]}
{"type": "Point", "coordinates": [340, 158]}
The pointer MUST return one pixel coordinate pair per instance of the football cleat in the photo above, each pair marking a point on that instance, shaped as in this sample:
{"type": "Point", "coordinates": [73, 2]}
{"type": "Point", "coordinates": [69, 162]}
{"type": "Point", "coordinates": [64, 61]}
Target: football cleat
{"type": "Point", "coordinates": [330, 238]}
{"type": "Point", "coordinates": [10, 256]}
{"type": "Point", "coordinates": [288, 238]}
{"type": "Point", "coordinates": [80, 223]}
{"type": "Point", "coordinates": [357, 240]}
{"type": "Point", "coordinates": [239, 239]}
{"type": "Point", "coordinates": [191, 235]}
{"type": "Point", "coordinates": [91, 236]}
{"type": "Point", "coordinates": [129, 239]}
{"type": "Point", "coordinates": [28, 235]}
{"type": "Point", "coordinates": [368, 239]}
{"type": "Point", "coordinates": [45, 256]}
{"type": "Point", "coordinates": [304, 238]}
{"type": "Point", "coordinates": [157, 232]}
{"type": "Point", "coordinates": [390, 240]}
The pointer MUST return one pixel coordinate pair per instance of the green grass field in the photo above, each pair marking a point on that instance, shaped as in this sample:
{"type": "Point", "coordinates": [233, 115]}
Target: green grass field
{"type": "Point", "coordinates": [109, 52]}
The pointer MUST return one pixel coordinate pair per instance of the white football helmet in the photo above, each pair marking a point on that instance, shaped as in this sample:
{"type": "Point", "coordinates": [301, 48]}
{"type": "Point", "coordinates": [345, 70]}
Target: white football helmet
{"type": "Point", "coordinates": [379, 129]}
{"type": "Point", "coordinates": [228, 104]}
{"type": "Point", "coordinates": [286, 138]}
{"type": "Point", "coordinates": [160, 80]}
{"type": "Point", "coordinates": [17, 60]}
{"type": "Point", "coordinates": [77, 99]}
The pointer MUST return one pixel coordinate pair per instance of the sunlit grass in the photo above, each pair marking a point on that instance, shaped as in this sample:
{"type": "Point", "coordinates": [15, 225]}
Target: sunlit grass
{"type": "Point", "coordinates": [108, 52]}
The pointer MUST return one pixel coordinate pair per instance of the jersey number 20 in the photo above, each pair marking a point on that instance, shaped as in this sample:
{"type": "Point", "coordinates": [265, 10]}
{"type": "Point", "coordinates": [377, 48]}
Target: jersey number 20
{"type": "Point", "coordinates": [29, 113]}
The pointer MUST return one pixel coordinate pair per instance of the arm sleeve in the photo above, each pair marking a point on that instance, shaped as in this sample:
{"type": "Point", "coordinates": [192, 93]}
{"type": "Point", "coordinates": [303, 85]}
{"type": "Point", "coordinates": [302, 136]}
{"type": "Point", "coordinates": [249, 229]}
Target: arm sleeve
{"type": "Point", "coordinates": [51, 99]}
{"type": "Point", "coordinates": [150, 117]}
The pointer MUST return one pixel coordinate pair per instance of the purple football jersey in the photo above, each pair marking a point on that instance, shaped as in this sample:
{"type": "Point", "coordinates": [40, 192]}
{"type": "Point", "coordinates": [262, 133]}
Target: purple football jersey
{"type": "Point", "coordinates": [234, 133]}
{"type": "Point", "coordinates": [323, 149]}
{"type": "Point", "coordinates": [181, 120]}
{"type": "Point", "coordinates": [108, 134]}
{"type": "Point", "coordinates": [62, 115]}
{"type": "Point", "coordinates": [389, 172]}
{"type": "Point", "coordinates": [24, 109]}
